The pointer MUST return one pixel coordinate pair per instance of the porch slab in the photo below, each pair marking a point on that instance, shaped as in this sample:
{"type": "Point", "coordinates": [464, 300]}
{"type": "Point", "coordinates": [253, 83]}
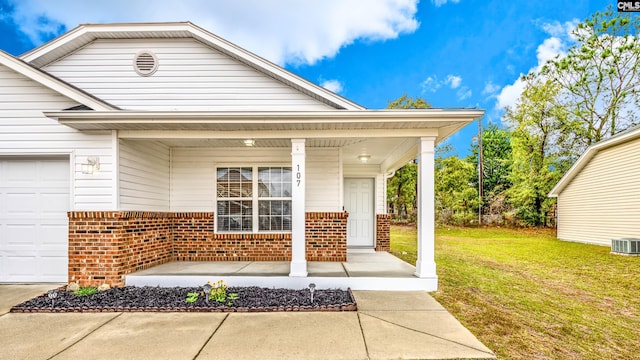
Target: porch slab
{"type": "Point", "coordinates": [361, 271]}
{"type": "Point", "coordinates": [259, 268]}
{"type": "Point", "coordinates": [379, 264]}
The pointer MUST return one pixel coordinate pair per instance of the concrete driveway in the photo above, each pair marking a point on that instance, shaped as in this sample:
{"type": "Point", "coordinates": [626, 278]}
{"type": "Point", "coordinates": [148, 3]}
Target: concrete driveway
{"type": "Point", "coordinates": [387, 325]}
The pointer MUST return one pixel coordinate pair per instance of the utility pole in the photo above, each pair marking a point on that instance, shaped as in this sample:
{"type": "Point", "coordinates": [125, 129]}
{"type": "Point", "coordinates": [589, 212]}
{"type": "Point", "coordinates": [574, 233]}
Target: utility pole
{"type": "Point", "coordinates": [480, 170]}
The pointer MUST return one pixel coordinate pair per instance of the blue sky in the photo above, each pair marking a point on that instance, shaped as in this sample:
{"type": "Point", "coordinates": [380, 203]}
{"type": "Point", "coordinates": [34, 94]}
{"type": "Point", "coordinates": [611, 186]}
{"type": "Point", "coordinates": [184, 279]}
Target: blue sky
{"type": "Point", "coordinates": [453, 53]}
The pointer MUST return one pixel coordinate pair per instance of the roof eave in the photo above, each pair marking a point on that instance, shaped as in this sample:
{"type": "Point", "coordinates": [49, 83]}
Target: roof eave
{"type": "Point", "coordinates": [448, 120]}
{"type": "Point", "coordinates": [584, 159]}
{"type": "Point", "coordinates": [54, 83]}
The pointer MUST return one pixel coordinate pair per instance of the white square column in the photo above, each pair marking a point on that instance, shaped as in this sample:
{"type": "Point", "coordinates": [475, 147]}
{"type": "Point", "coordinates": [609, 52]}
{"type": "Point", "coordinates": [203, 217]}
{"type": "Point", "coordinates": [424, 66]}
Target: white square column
{"type": "Point", "coordinates": [298, 212]}
{"type": "Point", "coordinates": [426, 265]}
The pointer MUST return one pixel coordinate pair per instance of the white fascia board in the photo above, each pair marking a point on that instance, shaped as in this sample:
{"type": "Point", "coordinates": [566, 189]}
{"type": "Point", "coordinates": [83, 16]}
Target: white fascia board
{"type": "Point", "coordinates": [417, 115]}
{"type": "Point", "coordinates": [53, 83]}
{"type": "Point", "coordinates": [584, 159]}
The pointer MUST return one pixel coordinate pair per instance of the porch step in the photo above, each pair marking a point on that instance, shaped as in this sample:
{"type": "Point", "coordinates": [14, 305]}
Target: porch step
{"type": "Point", "coordinates": [361, 271]}
{"type": "Point", "coordinates": [354, 283]}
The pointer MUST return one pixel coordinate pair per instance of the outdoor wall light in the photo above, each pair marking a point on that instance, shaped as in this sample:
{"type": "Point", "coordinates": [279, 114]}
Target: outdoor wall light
{"type": "Point", "coordinates": [91, 165]}
{"type": "Point", "coordinates": [364, 158]}
{"type": "Point", "coordinates": [249, 142]}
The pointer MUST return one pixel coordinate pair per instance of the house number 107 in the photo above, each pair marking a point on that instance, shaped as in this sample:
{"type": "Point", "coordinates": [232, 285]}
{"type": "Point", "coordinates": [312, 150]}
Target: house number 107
{"type": "Point", "coordinates": [298, 176]}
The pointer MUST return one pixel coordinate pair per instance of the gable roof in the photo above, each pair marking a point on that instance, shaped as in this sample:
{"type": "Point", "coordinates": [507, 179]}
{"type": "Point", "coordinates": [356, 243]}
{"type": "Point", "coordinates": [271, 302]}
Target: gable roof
{"type": "Point", "coordinates": [86, 33]}
{"type": "Point", "coordinates": [623, 137]}
{"type": "Point", "coordinates": [53, 83]}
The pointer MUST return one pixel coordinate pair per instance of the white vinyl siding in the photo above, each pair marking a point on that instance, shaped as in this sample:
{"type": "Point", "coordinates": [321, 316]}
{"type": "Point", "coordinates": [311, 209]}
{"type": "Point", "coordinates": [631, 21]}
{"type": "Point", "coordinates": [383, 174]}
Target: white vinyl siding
{"type": "Point", "coordinates": [193, 176]}
{"type": "Point", "coordinates": [24, 130]}
{"type": "Point", "coordinates": [144, 176]}
{"type": "Point", "coordinates": [603, 201]}
{"type": "Point", "coordinates": [190, 77]}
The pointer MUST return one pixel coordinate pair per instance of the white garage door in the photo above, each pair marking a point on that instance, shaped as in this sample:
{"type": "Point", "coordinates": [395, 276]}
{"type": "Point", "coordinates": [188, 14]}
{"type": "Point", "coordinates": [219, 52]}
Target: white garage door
{"type": "Point", "coordinates": [34, 199]}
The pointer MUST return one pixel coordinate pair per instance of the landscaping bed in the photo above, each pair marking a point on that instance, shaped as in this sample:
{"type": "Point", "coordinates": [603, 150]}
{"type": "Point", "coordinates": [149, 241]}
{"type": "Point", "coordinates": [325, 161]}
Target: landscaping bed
{"type": "Point", "coordinates": [174, 299]}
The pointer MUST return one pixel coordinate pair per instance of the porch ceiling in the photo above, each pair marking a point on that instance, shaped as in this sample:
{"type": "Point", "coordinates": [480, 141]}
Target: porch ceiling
{"type": "Point", "coordinates": [388, 136]}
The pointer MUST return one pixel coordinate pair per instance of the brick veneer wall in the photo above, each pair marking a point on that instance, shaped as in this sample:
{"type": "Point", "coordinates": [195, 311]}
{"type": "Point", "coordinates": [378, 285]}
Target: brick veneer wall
{"type": "Point", "coordinates": [326, 236]}
{"type": "Point", "coordinates": [104, 246]}
{"type": "Point", "coordinates": [383, 237]}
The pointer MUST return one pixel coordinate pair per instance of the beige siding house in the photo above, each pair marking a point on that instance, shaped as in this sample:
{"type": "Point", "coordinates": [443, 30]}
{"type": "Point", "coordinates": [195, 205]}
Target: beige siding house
{"type": "Point", "coordinates": [127, 146]}
{"type": "Point", "coordinates": [599, 197]}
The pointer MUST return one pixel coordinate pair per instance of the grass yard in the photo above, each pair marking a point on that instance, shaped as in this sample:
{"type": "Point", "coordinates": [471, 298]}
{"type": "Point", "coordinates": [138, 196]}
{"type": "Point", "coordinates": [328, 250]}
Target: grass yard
{"type": "Point", "coordinates": [526, 295]}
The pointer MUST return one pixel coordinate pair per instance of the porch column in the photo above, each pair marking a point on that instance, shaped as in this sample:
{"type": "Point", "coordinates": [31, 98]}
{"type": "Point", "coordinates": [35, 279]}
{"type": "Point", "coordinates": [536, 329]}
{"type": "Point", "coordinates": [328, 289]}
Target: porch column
{"type": "Point", "coordinates": [298, 212]}
{"type": "Point", "coordinates": [426, 265]}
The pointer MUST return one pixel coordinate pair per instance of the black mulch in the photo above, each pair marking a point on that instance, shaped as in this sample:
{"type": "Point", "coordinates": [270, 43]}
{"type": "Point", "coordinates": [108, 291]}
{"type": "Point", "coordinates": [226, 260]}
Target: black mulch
{"type": "Point", "coordinates": [172, 299]}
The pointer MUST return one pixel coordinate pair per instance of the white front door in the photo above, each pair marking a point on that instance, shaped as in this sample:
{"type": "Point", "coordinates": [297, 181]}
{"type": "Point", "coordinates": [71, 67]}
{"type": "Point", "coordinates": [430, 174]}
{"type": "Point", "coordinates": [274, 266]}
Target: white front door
{"type": "Point", "coordinates": [34, 199]}
{"type": "Point", "coordinates": [358, 202]}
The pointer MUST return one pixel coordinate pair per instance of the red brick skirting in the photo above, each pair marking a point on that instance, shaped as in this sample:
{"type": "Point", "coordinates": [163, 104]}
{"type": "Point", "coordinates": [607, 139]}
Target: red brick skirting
{"type": "Point", "coordinates": [104, 246]}
{"type": "Point", "coordinates": [383, 238]}
{"type": "Point", "coordinates": [326, 236]}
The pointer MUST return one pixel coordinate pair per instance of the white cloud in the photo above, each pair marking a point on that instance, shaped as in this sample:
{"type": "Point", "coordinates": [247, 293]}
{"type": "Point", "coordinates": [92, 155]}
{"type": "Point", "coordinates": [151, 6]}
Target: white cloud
{"type": "Point", "coordinates": [453, 81]}
{"type": "Point", "coordinates": [490, 88]}
{"type": "Point", "coordinates": [430, 84]}
{"type": "Point", "coordinates": [332, 85]}
{"type": "Point", "coordinates": [283, 31]}
{"type": "Point", "coordinates": [463, 93]}
{"type": "Point", "coordinates": [439, 3]}
{"type": "Point", "coordinates": [554, 46]}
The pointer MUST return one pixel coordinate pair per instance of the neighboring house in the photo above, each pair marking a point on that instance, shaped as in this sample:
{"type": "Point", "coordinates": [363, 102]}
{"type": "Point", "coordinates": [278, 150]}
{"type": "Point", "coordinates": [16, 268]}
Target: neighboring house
{"type": "Point", "coordinates": [125, 146]}
{"type": "Point", "coordinates": [599, 197]}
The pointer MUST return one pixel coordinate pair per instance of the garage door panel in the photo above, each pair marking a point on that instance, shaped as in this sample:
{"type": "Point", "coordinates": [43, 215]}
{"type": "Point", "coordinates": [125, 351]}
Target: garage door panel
{"type": "Point", "coordinates": [20, 173]}
{"type": "Point", "coordinates": [19, 204]}
{"type": "Point", "coordinates": [54, 203]}
{"type": "Point", "coordinates": [58, 235]}
{"type": "Point", "coordinates": [20, 235]}
{"type": "Point", "coordinates": [21, 266]}
{"type": "Point", "coordinates": [34, 199]}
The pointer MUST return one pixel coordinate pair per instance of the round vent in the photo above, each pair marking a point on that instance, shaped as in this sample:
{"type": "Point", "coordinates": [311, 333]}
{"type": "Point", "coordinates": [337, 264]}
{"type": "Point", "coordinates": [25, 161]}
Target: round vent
{"type": "Point", "coordinates": [145, 63]}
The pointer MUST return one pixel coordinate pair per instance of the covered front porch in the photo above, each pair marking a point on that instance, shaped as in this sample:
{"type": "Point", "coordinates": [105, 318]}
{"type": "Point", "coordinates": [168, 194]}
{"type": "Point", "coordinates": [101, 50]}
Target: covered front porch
{"type": "Point", "coordinates": [362, 271]}
{"type": "Point", "coordinates": [247, 189]}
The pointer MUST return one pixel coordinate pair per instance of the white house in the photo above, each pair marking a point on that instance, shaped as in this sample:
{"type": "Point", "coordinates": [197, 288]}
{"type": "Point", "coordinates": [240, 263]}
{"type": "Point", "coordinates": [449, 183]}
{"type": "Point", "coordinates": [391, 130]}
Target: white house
{"type": "Point", "coordinates": [125, 146]}
{"type": "Point", "coordinates": [599, 197]}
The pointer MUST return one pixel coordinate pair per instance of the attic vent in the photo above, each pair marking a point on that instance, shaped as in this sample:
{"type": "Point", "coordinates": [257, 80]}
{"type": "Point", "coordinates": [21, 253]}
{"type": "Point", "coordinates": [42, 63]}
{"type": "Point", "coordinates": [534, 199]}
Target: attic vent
{"type": "Point", "coordinates": [625, 246]}
{"type": "Point", "coordinates": [145, 63]}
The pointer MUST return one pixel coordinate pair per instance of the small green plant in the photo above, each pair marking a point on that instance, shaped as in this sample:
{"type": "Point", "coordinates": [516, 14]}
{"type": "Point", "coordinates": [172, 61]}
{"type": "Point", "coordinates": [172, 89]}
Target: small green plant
{"type": "Point", "coordinates": [192, 297]}
{"type": "Point", "coordinates": [86, 291]}
{"type": "Point", "coordinates": [219, 293]}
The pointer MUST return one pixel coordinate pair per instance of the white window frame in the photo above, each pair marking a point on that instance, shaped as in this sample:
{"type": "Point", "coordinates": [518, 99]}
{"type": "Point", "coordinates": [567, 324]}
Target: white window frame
{"type": "Point", "coordinates": [255, 199]}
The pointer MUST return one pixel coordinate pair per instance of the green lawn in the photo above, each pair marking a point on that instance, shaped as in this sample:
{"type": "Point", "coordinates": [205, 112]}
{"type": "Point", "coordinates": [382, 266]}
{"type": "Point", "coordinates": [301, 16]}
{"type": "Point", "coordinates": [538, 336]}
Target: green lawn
{"type": "Point", "coordinates": [526, 295]}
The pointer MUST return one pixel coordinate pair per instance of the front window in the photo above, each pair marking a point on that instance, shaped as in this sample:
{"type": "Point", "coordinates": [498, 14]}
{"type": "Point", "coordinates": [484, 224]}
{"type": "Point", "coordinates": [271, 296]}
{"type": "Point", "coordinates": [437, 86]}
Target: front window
{"type": "Point", "coordinates": [242, 190]}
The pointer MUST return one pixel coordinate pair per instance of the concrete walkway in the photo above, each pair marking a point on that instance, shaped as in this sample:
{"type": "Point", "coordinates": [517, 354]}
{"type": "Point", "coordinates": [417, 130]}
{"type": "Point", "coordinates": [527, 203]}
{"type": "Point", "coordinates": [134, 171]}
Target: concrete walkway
{"type": "Point", "coordinates": [387, 325]}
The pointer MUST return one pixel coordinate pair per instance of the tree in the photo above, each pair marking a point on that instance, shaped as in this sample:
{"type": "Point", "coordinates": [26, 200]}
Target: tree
{"type": "Point", "coordinates": [405, 102]}
{"type": "Point", "coordinates": [599, 79]}
{"type": "Point", "coordinates": [537, 162]}
{"type": "Point", "coordinates": [456, 199]}
{"type": "Point", "coordinates": [402, 192]}
{"type": "Point", "coordinates": [496, 162]}
{"type": "Point", "coordinates": [402, 187]}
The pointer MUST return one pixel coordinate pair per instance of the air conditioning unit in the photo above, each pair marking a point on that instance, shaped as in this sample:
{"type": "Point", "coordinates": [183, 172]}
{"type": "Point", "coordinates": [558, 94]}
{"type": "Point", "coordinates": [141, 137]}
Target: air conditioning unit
{"type": "Point", "coordinates": [627, 246]}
